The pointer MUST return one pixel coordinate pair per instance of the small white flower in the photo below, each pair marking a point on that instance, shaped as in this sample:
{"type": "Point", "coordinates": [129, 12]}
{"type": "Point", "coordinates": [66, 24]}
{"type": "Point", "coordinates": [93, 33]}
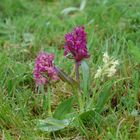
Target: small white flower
{"type": "Point", "coordinates": [111, 71]}
{"type": "Point", "coordinates": [109, 67]}
{"type": "Point", "coordinates": [98, 73]}
{"type": "Point", "coordinates": [105, 57]}
{"type": "Point", "coordinates": [116, 62]}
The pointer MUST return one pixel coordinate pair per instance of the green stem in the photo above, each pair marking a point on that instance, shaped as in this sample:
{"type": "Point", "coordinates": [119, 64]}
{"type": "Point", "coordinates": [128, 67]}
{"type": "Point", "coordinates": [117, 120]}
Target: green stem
{"type": "Point", "coordinates": [78, 92]}
{"type": "Point", "coordinates": [77, 72]}
{"type": "Point", "coordinates": [49, 101]}
{"type": "Point", "coordinates": [79, 98]}
{"type": "Point", "coordinates": [91, 102]}
{"type": "Point", "coordinates": [44, 105]}
{"type": "Point", "coordinates": [81, 105]}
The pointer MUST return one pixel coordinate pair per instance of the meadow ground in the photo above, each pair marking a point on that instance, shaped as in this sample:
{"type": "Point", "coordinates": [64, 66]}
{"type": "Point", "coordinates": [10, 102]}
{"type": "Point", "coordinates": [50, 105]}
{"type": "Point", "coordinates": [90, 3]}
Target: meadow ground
{"type": "Point", "coordinates": [28, 26]}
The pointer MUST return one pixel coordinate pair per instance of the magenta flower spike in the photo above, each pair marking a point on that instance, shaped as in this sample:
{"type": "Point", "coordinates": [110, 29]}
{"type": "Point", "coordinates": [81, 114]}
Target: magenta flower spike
{"type": "Point", "coordinates": [76, 44]}
{"type": "Point", "coordinates": [44, 70]}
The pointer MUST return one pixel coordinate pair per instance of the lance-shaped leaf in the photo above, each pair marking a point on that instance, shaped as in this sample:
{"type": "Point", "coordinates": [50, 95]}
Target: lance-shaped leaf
{"type": "Point", "coordinates": [63, 109]}
{"type": "Point", "coordinates": [85, 72]}
{"type": "Point", "coordinates": [64, 77]}
{"type": "Point", "coordinates": [103, 98]}
{"type": "Point", "coordinates": [68, 10]}
{"type": "Point", "coordinates": [82, 5]}
{"type": "Point", "coordinates": [51, 124]}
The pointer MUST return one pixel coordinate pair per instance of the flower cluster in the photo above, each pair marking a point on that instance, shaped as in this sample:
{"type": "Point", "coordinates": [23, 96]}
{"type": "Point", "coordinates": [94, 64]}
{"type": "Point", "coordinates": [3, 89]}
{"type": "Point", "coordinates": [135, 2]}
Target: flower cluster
{"type": "Point", "coordinates": [44, 65]}
{"type": "Point", "coordinates": [109, 67]}
{"type": "Point", "coordinates": [76, 44]}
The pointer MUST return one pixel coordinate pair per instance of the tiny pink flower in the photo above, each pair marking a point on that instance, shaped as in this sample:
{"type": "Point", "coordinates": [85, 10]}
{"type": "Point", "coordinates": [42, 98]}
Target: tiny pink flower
{"type": "Point", "coordinates": [44, 70]}
{"type": "Point", "coordinates": [76, 44]}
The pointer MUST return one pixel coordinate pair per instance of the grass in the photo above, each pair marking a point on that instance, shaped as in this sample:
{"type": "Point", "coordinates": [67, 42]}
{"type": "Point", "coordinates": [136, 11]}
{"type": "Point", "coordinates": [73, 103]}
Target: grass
{"type": "Point", "coordinates": [28, 26]}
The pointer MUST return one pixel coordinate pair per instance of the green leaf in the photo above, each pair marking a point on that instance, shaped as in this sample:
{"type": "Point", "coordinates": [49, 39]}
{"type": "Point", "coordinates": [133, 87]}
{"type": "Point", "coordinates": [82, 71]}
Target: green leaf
{"type": "Point", "coordinates": [87, 115]}
{"type": "Point", "coordinates": [10, 84]}
{"type": "Point", "coordinates": [134, 51]}
{"type": "Point", "coordinates": [65, 77]}
{"type": "Point", "coordinates": [104, 96]}
{"type": "Point", "coordinates": [63, 109]}
{"type": "Point", "coordinates": [51, 124]}
{"type": "Point", "coordinates": [44, 102]}
{"type": "Point", "coordinates": [85, 72]}
{"type": "Point", "coordinates": [90, 116]}
{"type": "Point", "coordinates": [68, 10]}
{"type": "Point", "coordinates": [83, 4]}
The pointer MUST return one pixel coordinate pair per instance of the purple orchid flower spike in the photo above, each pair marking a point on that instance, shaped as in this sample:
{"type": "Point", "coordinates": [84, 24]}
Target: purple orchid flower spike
{"type": "Point", "coordinates": [44, 70]}
{"type": "Point", "coordinates": [76, 44]}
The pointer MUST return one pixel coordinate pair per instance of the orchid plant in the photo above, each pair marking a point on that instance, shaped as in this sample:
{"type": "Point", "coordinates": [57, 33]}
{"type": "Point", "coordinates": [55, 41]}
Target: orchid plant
{"type": "Point", "coordinates": [47, 73]}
